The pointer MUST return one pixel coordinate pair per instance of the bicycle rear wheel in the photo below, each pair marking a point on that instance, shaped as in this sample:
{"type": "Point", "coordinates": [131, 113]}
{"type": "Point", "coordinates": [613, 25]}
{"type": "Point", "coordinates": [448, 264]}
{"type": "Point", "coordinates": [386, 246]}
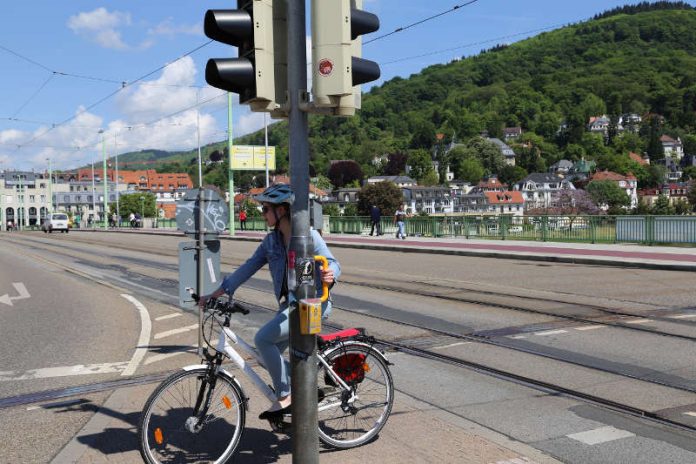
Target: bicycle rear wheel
{"type": "Point", "coordinates": [346, 422]}
{"type": "Point", "coordinates": [169, 432]}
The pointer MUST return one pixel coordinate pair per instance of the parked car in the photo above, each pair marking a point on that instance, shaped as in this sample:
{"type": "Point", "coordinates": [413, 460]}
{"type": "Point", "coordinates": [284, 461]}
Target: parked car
{"type": "Point", "coordinates": [55, 221]}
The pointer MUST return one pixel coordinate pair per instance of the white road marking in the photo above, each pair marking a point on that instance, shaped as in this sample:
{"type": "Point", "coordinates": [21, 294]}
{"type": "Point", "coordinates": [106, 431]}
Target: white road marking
{"type": "Point", "coordinates": [447, 346]}
{"type": "Point", "coordinates": [145, 329]}
{"type": "Point", "coordinates": [601, 435]}
{"type": "Point", "coordinates": [638, 321]}
{"type": "Point", "coordinates": [163, 356]}
{"type": "Point", "coordinates": [590, 327]}
{"type": "Point", "coordinates": [521, 460]}
{"type": "Point", "coordinates": [64, 371]}
{"type": "Point", "coordinates": [691, 413]}
{"type": "Point", "coordinates": [550, 332]}
{"type": "Point", "coordinates": [518, 336]}
{"type": "Point", "coordinates": [175, 331]}
{"type": "Point", "coordinates": [168, 316]}
{"type": "Point", "coordinates": [22, 294]}
{"type": "Point", "coordinates": [683, 316]}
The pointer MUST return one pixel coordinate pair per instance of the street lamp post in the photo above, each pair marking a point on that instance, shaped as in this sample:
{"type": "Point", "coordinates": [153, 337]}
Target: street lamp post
{"type": "Point", "coordinates": [106, 191]}
{"type": "Point", "coordinates": [94, 198]}
{"type": "Point", "coordinates": [20, 212]}
{"type": "Point", "coordinates": [50, 186]}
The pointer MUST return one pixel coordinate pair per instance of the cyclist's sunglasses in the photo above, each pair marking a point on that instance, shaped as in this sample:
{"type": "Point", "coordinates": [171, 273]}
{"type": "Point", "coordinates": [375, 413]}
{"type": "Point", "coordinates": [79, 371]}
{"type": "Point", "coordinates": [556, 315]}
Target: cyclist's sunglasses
{"type": "Point", "coordinates": [265, 209]}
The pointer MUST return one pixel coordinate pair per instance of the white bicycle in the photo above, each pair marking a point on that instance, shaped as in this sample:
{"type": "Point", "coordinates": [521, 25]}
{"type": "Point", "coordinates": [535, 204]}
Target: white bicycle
{"type": "Point", "coordinates": [198, 414]}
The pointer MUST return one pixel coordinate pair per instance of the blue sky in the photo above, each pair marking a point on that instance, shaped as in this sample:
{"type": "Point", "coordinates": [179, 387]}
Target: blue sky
{"type": "Point", "coordinates": [63, 64]}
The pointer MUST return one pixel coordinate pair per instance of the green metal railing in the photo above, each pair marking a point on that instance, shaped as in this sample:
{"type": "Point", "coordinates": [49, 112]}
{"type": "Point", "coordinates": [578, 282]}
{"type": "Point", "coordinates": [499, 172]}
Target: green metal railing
{"type": "Point", "coordinates": [589, 229]}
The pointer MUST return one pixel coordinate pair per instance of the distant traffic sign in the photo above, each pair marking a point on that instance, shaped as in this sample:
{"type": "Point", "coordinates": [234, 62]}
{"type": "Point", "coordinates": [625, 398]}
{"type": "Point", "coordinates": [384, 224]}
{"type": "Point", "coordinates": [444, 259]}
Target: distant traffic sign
{"type": "Point", "coordinates": [215, 213]}
{"type": "Point", "coordinates": [252, 158]}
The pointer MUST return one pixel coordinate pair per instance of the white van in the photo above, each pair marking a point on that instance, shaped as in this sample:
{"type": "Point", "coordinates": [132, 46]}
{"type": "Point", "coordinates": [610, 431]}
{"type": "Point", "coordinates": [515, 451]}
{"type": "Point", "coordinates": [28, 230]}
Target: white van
{"type": "Point", "coordinates": [55, 221]}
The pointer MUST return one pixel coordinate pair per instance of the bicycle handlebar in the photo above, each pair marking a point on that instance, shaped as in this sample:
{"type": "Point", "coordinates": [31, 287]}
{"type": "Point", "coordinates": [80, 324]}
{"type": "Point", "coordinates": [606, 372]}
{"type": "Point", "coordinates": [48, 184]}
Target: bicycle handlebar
{"type": "Point", "coordinates": [324, 286]}
{"type": "Point", "coordinates": [222, 306]}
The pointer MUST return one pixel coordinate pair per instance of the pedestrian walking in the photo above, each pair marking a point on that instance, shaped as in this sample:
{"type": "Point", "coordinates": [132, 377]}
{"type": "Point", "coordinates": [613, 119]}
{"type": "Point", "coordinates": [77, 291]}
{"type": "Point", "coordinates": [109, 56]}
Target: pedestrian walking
{"type": "Point", "coordinates": [242, 219]}
{"type": "Point", "coordinates": [399, 220]}
{"type": "Point", "coordinates": [376, 218]}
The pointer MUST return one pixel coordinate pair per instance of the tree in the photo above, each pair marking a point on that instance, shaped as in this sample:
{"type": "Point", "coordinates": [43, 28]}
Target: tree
{"type": "Point", "coordinates": [468, 169]}
{"type": "Point", "coordinates": [331, 210]}
{"type": "Point", "coordinates": [386, 195]}
{"type": "Point", "coordinates": [512, 174]}
{"type": "Point", "coordinates": [689, 144]}
{"type": "Point", "coordinates": [344, 172]}
{"type": "Point", "coordinates": [420, 163]}
{"type": "Point", "coordinates": [396, 164]}
{"type": "Point", "coordinates": [132, 203]}
{"type": "Point", "coordinates": [655, 149]}
{"type": "Point", "coordinates": [351, 209]}
{"type": "Point", "coordinates": [606, 193]}
{"type": "Point", "coordinates": [430, 178]}
{"type": "Point", "coordinates": [691, 195]}
{"type": "Point", "coordinates": [662, 206]}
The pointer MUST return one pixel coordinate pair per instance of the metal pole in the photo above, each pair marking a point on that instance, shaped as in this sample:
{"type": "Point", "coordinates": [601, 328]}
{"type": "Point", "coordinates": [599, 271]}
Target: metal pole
{"type": "Point", "coordinates": [21, 213]}
{"type": "Point", "coordinates": [106, 190]}
{"type": "Point", "coordinates": [303, 348]}
{"type": "Point", "coordinates": [94, 198]}
{"type": "Point", "coordinates": [265, 126]}
{"type": "Point", "coordinates": [50, 187]}
{"type": "Point", "coordinates": [198, 132]}
{"type": "Point", "coordinates": [118, 209]}
{"type": "Point", "coordinates": [200, 246]}
{"type": "Point", "coordinates": [230, 173]}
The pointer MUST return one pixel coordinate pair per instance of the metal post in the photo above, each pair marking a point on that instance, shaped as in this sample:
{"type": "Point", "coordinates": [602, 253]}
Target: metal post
{"type": "Point", "coordinates": [198, 136]}
{"type": "Point", "coordinates": [265, 139]}
{"type": "Point", "coordinates": [305, 443]}
{"type": "Point", "coordinates": [106, 190]}
{"type": "Point", "coordinates": [230, 173]}
{"type": "Point", "coordinates": [118, 209]}
{"type": "Point", "coordinates": [21, 213]}
{"type": "Point", "coordinates": [94, 199]}
{"type": "Point", "coordinates": [200, 236]}
{"type": "Point", "coordinates": [50, 187]}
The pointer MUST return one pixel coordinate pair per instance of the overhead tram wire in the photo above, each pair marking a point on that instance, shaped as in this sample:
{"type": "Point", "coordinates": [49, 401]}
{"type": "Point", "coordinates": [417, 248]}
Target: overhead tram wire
{"type": "Point", "coordinates": [472, 44]}
{"type": "Point", "coordinates": [124, 85]}
{"type": "Point", "coordinates": [50, 78]}
{"type": "Point", "coordinates": [424, 20]}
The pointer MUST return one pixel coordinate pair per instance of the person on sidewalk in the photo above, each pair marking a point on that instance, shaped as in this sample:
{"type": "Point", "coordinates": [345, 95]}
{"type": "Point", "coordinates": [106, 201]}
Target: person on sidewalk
{"type": "Point", "coordinates": [399, 220]}
{"type": "Point", "coordinates": [242, 220]}
{"type": "Point", "coordinates": [376, 219]}
{"type": "Point", "coordinates": [273, 338]}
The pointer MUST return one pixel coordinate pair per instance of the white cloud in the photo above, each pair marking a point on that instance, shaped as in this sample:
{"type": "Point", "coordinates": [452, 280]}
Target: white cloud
{"type": "Point", "coordinates": [168, 28]}
{"type": "Point", "coordinates": [248, 123]}
{"type": "Point", "coordinates": [101, 26]}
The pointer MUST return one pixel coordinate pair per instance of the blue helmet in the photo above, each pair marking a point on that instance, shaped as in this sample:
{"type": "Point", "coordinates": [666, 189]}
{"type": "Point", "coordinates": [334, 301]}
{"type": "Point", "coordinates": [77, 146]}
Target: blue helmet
{"type": "Point", "coordinates": [276, 195]}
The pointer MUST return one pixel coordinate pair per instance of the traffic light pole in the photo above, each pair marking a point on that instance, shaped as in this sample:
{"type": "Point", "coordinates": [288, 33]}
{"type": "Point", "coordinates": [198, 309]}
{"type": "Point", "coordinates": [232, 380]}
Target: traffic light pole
{"type": "Point", "coordinates": [303, 360]}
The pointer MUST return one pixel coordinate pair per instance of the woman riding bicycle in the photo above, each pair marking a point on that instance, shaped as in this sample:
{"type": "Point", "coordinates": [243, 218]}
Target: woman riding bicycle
{"type": "Point", "coordinates": [273, 338]}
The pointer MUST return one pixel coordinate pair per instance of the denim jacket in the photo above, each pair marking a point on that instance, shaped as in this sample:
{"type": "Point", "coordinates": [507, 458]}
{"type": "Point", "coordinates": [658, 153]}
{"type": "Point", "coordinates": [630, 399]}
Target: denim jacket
{"type": "Point", "coordinates": [272, 251]}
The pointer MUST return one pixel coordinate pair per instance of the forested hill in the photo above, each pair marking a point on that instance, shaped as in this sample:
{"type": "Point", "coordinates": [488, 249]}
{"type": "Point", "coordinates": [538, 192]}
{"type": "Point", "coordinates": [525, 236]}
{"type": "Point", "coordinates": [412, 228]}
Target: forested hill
{"type": "Point", "coordinates": [639, 59]}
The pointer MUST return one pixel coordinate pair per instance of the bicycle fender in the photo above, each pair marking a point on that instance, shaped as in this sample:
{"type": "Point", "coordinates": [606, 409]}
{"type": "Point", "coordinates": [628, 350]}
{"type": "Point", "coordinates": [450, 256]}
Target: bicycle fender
{"type": "Point", "coordinates": [349, 343]}
{"type": "Point", "coordinates": [225, 373]}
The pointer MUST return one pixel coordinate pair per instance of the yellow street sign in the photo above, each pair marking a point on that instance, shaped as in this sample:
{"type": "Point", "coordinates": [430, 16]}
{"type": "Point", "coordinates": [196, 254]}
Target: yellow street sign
{"type": "Point", "coordinates": [252, 158]}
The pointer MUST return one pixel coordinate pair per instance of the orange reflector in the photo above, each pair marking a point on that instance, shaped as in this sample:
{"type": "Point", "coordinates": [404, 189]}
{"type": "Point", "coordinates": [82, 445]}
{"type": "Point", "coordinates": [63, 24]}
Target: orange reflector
{"type": "Point", "coordinates": [226, 401]}
{"type": "Point", "coordinates": [366, 367]}
{"type": "Point", "coordinates": [159, 438]}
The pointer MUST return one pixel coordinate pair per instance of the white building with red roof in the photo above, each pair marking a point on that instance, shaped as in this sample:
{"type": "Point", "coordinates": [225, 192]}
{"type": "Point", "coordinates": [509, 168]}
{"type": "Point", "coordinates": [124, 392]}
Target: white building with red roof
{"type": "Point", "coordinates": [628, 183]}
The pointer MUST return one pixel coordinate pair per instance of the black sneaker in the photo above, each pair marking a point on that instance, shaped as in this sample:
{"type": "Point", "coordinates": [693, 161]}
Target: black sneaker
{"type": "Point", "coordinates": [268, 415]}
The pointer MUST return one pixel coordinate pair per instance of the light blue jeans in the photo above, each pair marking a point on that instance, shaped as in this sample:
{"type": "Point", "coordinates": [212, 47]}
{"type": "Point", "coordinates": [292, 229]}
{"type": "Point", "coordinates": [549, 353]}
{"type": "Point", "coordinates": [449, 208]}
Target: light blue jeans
{"type": "Point", "coordinates": [400, 233]}
{"type": "Point", "coordinates": [271, 342]}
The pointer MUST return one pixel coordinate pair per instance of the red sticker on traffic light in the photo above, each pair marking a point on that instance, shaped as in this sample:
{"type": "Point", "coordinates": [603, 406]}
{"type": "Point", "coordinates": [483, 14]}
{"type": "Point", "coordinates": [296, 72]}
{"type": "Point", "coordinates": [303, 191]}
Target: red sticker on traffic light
{"type": "Point", "coordinates": [325, 67]}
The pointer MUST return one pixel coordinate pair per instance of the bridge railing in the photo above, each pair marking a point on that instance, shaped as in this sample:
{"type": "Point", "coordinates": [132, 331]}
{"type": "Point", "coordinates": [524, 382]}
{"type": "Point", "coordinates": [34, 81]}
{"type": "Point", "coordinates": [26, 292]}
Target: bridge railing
{"type": "Point", "coordinates": [562, 228]}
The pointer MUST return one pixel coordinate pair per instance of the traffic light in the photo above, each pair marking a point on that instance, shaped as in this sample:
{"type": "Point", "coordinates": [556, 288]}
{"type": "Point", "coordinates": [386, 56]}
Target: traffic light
{"type": "Point", "coordinates": [258, 74]}
{"type": "Point", "coordinates": [337, 66]}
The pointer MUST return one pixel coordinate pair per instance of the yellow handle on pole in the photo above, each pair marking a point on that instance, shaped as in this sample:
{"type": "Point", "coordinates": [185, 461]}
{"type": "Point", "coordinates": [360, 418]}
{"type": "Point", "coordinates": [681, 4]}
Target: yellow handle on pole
{"type": "Point", "coordinates": [324, 286]}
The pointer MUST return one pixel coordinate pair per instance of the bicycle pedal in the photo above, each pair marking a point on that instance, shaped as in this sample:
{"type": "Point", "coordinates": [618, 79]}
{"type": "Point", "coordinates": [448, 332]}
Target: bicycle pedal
{"type": "Point", "coordinates": [278, 425]}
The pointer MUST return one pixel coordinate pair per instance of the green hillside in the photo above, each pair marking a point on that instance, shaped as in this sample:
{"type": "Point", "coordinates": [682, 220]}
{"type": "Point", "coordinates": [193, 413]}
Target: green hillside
{"type": "Point", "coordinates": [639, 59]}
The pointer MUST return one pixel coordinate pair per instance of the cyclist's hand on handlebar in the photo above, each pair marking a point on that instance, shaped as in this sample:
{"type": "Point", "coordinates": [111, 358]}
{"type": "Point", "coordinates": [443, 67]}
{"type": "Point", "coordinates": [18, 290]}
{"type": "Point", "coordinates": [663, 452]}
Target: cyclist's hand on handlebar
{"type": "Point", "coordinates": [203, 300]}
{"type": "Point", "coordinates": [327, 275]}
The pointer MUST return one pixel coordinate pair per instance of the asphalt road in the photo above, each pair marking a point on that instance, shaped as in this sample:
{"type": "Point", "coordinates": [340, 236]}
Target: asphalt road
{"type": "Point", "coordinates": [93, 323]}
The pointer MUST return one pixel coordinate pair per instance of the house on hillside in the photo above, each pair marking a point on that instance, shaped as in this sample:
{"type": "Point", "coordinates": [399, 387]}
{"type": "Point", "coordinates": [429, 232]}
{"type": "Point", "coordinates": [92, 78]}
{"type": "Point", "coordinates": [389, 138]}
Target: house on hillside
{"type": "Point", "coordinates": [672, 148]}
{"type": "Point", "coordinates": [642, 160]}
{"type": "Point", "coordinates": [509, 202]}
{"type": "Point", "coordinates": [400, 181]}
{"type": "Point", "coordinates": [511, 133]}
{"type": "Point", "coordinates": [675, 193]}
{"type": "Point", "coordinates": [628, 183]}
{"type": "Point", "coordinates": [538, 188]}
{"type": "Point", "coordinates": [491, 184]}
{"type": "Point", "coordinates": [599, 124]}
{"type": "Point", "coordinates": [428, 199]}
{"type": "Point", "coordinates": [505, 149]}
{"type": "Point", "coordinates": [562, 167]}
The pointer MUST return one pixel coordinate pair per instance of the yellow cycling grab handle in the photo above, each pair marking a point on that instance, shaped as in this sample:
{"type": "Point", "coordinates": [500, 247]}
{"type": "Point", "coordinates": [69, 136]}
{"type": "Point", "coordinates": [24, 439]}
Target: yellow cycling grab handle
{"type": "Point", "coordinates": [324, 285]}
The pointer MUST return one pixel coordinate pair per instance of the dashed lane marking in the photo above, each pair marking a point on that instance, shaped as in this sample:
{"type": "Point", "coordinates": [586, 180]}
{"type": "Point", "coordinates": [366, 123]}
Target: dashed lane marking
{"type": "Point", "coordinates": [590, 327]}
{"type": "Point", "coordinates": [683, 316]}
{"type": "Point", "coordinates": [163, 356]}
{"type": "Point", "coordinates": [450, 345]}
{"type": "Point", "coordinates": [521, 460]}
{"type": "Point", "coordinates": [168, 316]}
{"type": "Point", "coordinates": [600, 435]}
{"type": "Point", "coordinates": [690, 413]}
{"type": "Point", "coordinates": [175, 331]}
{"type": "Point", "coordinates": [550, 332]}
{"type": "Point", "coordinates": [65, 371]}
{"type": "Point", "coordinates": [638, 321]}
{"type": "Point", "coordinates": [145, 329]}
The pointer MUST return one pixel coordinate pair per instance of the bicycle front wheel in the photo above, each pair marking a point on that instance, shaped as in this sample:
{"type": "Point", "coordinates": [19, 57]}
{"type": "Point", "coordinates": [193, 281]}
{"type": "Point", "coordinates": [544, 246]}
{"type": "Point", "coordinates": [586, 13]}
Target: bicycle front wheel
{"type": "Point", "coordinates": [350, 418]}
{"type": "Point", "coordinates": [171, 431]}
